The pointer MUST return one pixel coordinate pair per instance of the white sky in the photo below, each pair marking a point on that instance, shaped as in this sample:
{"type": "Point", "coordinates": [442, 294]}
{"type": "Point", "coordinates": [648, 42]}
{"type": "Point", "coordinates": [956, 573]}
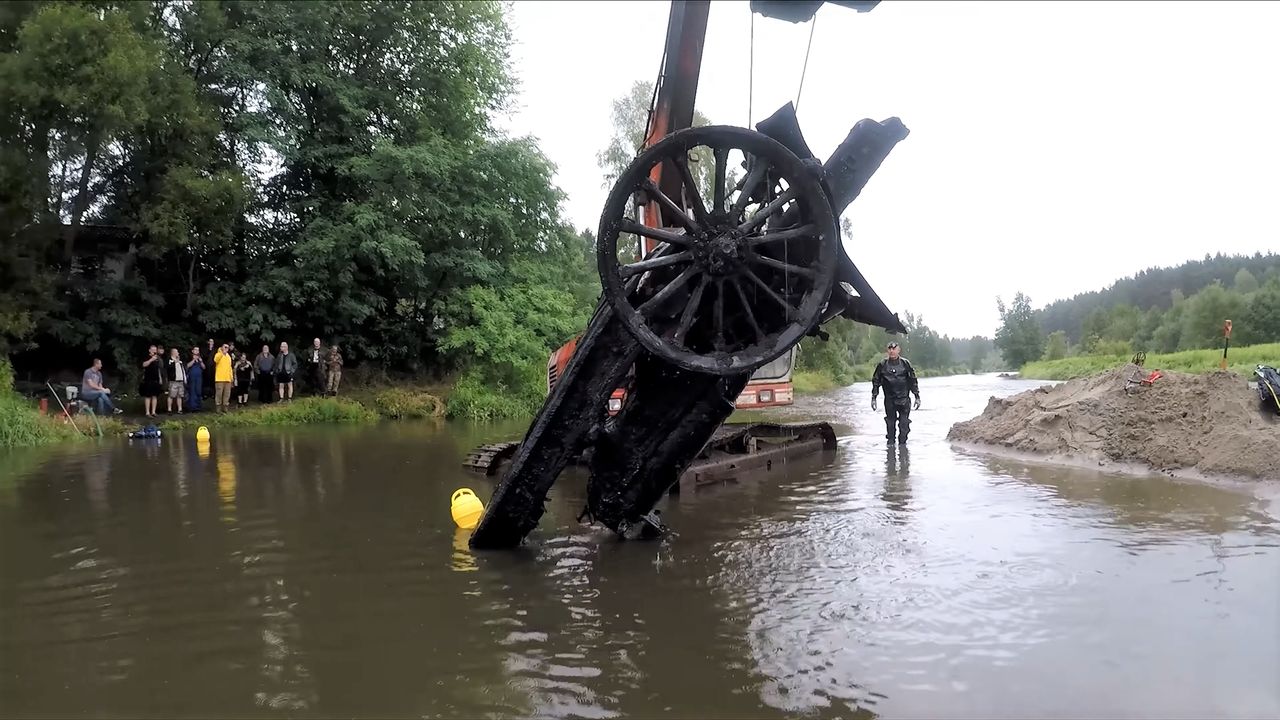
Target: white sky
{"type": "Point", "coordinates": [1055, 146]}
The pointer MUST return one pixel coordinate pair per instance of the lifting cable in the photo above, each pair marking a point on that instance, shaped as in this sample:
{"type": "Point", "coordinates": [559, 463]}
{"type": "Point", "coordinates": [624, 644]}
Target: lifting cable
{"type": "Point", "coordinates": [813, 24]}
{"type": "Point", "coordinates": [751, 70]}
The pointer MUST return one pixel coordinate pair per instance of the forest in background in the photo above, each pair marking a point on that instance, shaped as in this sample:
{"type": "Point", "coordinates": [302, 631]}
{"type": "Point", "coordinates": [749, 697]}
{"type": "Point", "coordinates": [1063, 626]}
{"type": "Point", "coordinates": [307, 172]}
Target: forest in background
{"type": "Point", "coordinates": [1159, 310]}
{"type": "Point", "coordinates": [267, 171]}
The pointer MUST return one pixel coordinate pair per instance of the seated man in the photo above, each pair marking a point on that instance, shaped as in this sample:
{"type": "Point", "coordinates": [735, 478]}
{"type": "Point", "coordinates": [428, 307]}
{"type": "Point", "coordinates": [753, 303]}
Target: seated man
{"type": "Point", "coordinates": [91, 389]}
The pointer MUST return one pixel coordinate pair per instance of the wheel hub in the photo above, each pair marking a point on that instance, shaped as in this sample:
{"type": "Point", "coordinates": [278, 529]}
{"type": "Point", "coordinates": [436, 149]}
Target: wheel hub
{"type": "Point", "coordinates": [723, 254]}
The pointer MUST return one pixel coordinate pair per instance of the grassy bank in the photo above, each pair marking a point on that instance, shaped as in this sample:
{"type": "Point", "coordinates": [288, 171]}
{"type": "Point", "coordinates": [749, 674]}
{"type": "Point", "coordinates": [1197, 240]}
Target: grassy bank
{"type": "Point", "coordinates": [22, 424]}
{"type": "Point", "coordinates": [1240, 360]}
{"type": "Point", "coordinates": [359, 408]}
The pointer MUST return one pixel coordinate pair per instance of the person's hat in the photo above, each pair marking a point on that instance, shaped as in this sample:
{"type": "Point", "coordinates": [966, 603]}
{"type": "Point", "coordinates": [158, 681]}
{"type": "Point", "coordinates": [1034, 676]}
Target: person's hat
{"type": "Point", "coordinates": [892, 344]}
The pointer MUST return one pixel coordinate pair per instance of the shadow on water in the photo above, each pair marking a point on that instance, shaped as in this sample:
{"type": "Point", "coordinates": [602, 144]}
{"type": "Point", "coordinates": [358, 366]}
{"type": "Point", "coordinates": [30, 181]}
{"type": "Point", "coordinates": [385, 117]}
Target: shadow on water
{"type": "Point", "coordinates": [317, 573]}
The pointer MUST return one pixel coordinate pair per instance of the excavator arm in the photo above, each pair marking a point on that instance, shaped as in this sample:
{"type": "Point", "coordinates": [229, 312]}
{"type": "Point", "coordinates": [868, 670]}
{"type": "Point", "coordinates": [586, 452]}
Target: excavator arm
{"type": "Point", "coordinates": [726, 282]}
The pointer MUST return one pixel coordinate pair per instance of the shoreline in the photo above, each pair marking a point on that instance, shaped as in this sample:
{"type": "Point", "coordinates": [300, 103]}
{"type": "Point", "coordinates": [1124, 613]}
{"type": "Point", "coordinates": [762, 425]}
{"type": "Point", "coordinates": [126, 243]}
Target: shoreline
{"type": "Point", "coordinates": [1128, 468]}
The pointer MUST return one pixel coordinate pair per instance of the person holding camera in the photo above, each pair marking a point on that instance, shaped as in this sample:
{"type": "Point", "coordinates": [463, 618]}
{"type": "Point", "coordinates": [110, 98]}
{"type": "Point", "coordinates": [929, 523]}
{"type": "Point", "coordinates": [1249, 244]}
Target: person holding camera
{"type": "Point", "coordinates": [223, 377]}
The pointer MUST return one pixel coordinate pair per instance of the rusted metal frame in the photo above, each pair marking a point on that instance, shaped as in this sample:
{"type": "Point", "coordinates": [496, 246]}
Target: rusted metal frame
{"type": "Point", "coordinates": [562, 427]}
{"type": "Point", "coordinates": [677, 90]}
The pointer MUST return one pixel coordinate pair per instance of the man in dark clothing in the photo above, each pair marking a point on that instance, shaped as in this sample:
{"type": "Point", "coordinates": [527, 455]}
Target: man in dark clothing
{"type": "Point", "coordinates": [899, 379]}
{"type": "Point", "coordinates": [207, 388]}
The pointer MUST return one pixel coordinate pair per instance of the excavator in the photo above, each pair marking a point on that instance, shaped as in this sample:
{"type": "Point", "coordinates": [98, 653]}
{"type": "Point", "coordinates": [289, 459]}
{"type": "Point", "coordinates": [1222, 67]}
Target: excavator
{"type": "Point", "coordinates": [718, 251]}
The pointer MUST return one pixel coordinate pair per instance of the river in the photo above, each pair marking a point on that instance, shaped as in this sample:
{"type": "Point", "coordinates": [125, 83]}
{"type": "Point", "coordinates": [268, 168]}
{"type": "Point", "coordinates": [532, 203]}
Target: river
{"type": "Point", "coordinates": [317, 573]}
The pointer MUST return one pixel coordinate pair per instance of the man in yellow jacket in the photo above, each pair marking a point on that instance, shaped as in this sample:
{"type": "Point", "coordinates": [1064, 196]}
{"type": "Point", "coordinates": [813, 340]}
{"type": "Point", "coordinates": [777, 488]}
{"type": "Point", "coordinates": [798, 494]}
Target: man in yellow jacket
{"type": "Point", "coordinates": [222, 377]}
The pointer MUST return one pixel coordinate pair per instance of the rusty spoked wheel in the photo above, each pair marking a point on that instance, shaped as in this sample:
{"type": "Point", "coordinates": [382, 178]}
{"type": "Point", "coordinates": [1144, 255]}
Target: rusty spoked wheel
{"type": "Point", "coordinates": [742, 277]}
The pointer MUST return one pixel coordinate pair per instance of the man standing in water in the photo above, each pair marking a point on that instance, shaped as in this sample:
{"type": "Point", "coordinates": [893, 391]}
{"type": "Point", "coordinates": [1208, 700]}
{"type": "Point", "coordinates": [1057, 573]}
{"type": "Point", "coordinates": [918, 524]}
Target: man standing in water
{"type": "Point", "coordinates": [899, 380]}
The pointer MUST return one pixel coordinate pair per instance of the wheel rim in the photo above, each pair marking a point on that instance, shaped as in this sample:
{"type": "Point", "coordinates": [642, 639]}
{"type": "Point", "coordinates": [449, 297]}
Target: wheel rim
{"type": "Point", "coordinates": [748, 271]}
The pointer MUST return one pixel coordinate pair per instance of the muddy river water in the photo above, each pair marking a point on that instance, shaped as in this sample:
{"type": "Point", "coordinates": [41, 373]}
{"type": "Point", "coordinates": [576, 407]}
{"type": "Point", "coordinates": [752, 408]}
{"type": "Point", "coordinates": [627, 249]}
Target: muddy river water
{"type": "Point", "coordinates": [318, 573]}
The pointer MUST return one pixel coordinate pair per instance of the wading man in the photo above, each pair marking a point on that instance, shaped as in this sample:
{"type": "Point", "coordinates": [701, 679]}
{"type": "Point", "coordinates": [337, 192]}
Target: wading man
{"type": "Point", "coordinates": [899, 381]}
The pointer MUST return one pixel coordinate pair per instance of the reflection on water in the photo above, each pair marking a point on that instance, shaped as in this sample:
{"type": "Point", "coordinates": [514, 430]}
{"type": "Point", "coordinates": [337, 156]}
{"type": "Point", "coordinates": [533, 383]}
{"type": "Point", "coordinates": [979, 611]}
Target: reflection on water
{"type": "Point", "coordinates": [318, 573]}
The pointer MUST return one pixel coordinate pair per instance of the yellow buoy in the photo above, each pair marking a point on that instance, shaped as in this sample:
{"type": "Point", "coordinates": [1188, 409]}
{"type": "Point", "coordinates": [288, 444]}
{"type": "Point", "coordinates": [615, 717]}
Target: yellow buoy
{"type": "Point", "coordinates": [466, 508]}
{"type": "Point", "coordinates": [202, 433]}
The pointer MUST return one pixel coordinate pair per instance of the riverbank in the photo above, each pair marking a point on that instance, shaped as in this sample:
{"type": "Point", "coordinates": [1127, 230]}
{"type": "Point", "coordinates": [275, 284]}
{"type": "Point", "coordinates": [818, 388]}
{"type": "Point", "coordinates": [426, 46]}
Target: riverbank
{"type": "Point", "coordinates": [23, 425]}
{"type": "Point", "coordinates": [1207, 424]}
{"type": "Point", "coordinates": [1241, 361]}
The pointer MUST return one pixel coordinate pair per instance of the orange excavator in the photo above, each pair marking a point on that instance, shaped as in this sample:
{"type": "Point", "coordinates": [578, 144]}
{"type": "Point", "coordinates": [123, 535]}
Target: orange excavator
{"type": "Point", "coordinates": [718, 251]}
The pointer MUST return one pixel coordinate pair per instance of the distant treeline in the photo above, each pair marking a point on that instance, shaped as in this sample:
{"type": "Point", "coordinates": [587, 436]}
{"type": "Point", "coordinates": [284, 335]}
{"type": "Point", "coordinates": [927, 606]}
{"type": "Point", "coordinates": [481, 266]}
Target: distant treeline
{"type": "Point", "coordinates": [1157, 289]}
{"type": "Point", "coordinates": [1162, 310]}
{"type": "Point", "coordinates": [852, 351]}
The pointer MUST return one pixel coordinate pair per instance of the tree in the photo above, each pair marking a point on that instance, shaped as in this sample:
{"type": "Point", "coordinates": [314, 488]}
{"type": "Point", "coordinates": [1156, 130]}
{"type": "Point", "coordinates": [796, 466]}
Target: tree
{"type": "Point", "coordinates": [1244, 282]}
{"type": "Point", "coordinates": [630, 118]}
{"type": "Point", "coordinates": [1019, 338]}
{"type": "Point", "coordinates": [1056, 345]}
{"type": "Point", "coordinates": [977, 354]}
{"type": "Point", "coordinates": [1206, 311]}
{"type": "Point", "coordinates": [1260, 320]}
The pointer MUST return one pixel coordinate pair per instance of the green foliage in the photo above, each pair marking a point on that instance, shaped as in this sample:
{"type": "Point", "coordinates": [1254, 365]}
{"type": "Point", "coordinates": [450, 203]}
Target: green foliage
{"type": "Point", "coordinates": [1160, 289]}
{"type": "Point", "coordinates": [1202, 320]}
{"type": "Point", "coordinates": [1244, 282]}
{"type": "Point", "coordinates": [407, 404]}
{"type": "Point", "coordinates": [630, 115]}
{"type": "Point", "coordinates": [21, 423]}
{"type": "Point", "coordinates": [280, 171]}
{"type": "Point", "coordinates": [478, 396]}
{"type": "Point", "coordinates": [1055, 347]}
{"type": "Point", "coordinates": [1019, 338]}
{"type": "Point", "coordinates": [807, 382]}
{"type": "Point", "coordinates": [1241, 360]}
{"type": "Point", "coordinates": [1260, 320]}
{"type": "Point", "coordinates": [305, 411]}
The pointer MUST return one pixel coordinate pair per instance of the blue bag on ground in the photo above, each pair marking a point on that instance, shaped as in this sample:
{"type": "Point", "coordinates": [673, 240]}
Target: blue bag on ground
{"type": "Point", "coordinates": [145, 433]}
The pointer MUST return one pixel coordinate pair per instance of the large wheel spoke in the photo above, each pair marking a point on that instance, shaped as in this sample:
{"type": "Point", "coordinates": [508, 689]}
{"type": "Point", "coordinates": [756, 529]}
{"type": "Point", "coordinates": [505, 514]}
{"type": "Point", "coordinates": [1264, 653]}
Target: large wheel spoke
{"type": "Point", "coordinates": [719, 315]}
{"type": "Point", "coordinates": [666, 236]}
{"type": "Point", "coordinates": [783, 266]}
{"type": "Point", "coordinates": [786, 306]}
{"type": "Point", "coordinates": [669, 207]}
{"type": "Point", "coordinates": [642, 266]}
{"type": "Point", "coordinates": [690, 312]}
{"type": "Point", "coordinates": [691, 191]}
{"type": "Point", "coordinates": [758, 219]}
{"type": "Point", "coordinates": [746, 309]}
{"type": "Point", "coordinates": [654, 302]}
{"type": "Point", "coordinates": [803, 231]}
{"type": "Point", "coordinates": [748, 187]}
{"type": "Point", "coordinates": [722, 162]}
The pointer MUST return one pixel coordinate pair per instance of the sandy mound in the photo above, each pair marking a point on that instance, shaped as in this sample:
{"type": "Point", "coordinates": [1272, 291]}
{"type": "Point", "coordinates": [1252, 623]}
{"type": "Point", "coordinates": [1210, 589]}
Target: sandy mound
{"type": "Point", "coordinates": [1211, 424]}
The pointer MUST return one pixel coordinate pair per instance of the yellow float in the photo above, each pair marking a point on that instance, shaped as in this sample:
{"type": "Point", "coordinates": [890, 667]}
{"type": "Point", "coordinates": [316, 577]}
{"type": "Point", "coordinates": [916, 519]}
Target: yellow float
{"type": "Point", "coordinates": [466, 508]}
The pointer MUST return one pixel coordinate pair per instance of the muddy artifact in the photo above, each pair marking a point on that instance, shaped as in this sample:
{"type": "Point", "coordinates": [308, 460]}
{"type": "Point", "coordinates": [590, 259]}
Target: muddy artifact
{"type": "Point", "coordinates": [730, 277]}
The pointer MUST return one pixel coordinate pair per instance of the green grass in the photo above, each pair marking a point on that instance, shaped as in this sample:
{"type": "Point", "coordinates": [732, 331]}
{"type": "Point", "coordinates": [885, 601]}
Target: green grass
{"type": "Point", "coordinates": [406, 404]}
{"type": "Point", "coordinates": [1240, 360]}
{"type": "Point", "coordinates": [304, 411]}
{"type": "Point", "coordinates": [806, 382]}
{"type": "Point", "coordinates": [22, 425]}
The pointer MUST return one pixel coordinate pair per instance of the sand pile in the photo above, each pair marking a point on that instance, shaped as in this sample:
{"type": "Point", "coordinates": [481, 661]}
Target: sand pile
{"type": "Point", "coordinates": [1211, 424]}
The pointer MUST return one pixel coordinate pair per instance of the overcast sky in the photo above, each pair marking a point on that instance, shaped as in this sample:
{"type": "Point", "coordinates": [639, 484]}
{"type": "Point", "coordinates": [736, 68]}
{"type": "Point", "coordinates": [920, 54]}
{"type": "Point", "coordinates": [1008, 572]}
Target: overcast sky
{"type": "Point", "coordinates": [1055, 146]}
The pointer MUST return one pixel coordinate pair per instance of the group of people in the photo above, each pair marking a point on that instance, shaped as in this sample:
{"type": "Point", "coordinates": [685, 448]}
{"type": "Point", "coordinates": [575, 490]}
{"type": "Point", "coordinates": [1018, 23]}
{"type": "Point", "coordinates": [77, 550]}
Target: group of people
{"type": "Point", "coordinates": [183, 382]}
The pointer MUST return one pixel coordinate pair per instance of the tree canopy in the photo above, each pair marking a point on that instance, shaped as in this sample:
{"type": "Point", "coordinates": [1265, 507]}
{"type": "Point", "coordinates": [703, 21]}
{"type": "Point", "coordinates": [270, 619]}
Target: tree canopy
{"type": "Point", "coordinates": [258, 171]}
